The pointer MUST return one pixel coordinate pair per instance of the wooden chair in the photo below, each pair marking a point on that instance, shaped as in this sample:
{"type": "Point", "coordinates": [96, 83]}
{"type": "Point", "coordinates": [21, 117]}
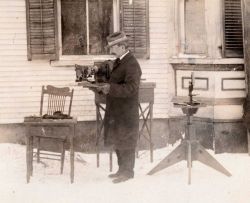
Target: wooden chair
{"type": "Point", "coordinates": [55, 109]}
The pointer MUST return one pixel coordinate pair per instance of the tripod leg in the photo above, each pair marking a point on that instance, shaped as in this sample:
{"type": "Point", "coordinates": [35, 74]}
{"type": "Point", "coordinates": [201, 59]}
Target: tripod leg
{"type": "Point", "coordinates": [177, 155]}
{"type": "Point", "coordinates": [204, 157]}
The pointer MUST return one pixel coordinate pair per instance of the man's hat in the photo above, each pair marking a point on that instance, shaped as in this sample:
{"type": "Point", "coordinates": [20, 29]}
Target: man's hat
{"type": "Point", "coordinates": [116, 38]}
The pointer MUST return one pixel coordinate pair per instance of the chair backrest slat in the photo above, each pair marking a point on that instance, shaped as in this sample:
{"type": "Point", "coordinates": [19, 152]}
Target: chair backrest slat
{"type": "Point", "coordinates": [57, 100]}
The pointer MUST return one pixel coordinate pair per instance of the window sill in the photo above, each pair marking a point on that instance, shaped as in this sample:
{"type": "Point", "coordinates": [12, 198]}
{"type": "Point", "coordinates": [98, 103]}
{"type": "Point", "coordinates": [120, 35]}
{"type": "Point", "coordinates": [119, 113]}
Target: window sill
{"type": "Point", "coordinates": [190, 60]}
{"type": "Point", "coordinates": [70, 61]}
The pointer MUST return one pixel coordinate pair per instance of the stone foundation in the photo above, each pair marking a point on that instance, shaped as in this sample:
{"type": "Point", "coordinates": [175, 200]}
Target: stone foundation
{"type": "Point", "coordinates": [219, 136]}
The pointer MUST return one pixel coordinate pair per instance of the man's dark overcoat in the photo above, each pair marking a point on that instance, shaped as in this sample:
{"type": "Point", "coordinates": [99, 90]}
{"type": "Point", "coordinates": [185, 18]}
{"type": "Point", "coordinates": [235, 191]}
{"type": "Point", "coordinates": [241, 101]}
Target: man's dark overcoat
{"type": "Point", "coordinates": [121, 121]}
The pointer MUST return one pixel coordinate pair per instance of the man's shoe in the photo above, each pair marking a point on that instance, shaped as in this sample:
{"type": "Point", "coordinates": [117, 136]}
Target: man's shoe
{"type": "Point", "coordinates": [122, 178]}
{"type": "Point", "coordinates": [114, 175]}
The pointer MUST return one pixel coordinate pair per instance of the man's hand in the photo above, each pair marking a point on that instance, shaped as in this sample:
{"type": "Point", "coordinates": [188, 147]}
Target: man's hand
{"type": "Point", "coordinates": [94, 89]}
{"type": "Point", "coordinates": [104, 89]}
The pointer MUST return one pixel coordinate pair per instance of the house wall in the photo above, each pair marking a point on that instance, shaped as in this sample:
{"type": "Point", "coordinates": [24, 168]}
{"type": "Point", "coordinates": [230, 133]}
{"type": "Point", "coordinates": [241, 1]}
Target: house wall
{"type": "Point", "coordinates": [219, 82]}
{"type": "Point", "coordinates": [21, 80]}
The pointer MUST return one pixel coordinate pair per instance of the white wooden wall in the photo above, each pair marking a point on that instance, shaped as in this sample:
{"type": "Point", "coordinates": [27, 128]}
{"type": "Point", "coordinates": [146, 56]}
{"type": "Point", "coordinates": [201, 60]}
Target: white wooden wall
{"type": "Point", "coordinates": [232, 81]}
{"type": "Point", "coordinates": [21, 80]}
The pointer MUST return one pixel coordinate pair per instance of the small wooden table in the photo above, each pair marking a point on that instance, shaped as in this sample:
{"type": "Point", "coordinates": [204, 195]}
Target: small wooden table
{"type": "Point", "coordinates": [146, 96]}
{"type": "Point", "coordinates": [40, 124]}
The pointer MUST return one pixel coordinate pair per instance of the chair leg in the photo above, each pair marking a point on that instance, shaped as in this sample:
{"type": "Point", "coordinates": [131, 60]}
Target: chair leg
{"type": "Point", "coordinates": [28, 158]}
{"type": "Point", "coordinates": [62, 156]}
{"type": "Point", "coordinates": [31, 155]}
{"type": "Point", "coordinates": [38, 150]}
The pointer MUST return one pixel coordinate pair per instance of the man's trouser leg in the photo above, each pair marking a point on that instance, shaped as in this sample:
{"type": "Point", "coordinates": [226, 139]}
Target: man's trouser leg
{"type": "Point", "coordinates": [127, 161]}
{"type": "Point", "coordinates": [119, 161]}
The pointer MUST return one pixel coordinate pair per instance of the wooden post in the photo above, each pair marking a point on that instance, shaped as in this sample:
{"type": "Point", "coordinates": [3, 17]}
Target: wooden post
{"type": "Point", "coordinates": [246, 27]}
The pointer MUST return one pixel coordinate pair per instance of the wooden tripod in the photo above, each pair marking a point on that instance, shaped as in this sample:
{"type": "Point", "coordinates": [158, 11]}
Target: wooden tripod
{"type": "Point", "coordinates": [190, 150]}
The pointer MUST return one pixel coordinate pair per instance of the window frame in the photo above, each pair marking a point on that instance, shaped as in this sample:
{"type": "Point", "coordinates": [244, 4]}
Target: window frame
{"type": "Point", "coordinates": [180, 33]}
{"type": "Point", "coordinates": [87, 57]}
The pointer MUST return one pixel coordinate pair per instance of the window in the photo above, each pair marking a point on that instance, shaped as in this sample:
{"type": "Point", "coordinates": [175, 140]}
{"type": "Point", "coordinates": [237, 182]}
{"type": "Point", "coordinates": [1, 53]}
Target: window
{"type": "Point", "coordinates": [85, 24]}
{"type": "Point", "coordinates": [195, 29]}
{"type": "Point", "coordinates": [191, 28]}
{"type": "Point", "coordinates": [81, 26]}
{"type": "Point", "coordinates": [233, 34]}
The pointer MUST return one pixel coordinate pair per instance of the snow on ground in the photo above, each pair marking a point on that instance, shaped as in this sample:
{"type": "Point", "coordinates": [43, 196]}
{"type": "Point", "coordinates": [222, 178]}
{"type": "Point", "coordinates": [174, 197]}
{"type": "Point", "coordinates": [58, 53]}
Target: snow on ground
{"type": "Point", "coordinates": [93, 186]}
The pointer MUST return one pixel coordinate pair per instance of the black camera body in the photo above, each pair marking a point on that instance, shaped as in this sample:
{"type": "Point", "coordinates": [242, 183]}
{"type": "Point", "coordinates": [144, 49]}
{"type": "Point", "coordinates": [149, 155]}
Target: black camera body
{"type": "Point", "coordinates": [99, 72]}
{"type": "Point", "coordinates": [83, 73]}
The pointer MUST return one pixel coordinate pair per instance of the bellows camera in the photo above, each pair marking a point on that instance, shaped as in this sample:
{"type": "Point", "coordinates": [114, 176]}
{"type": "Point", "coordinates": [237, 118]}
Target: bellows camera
{"type": "Point", "coordinates": [99, 72]}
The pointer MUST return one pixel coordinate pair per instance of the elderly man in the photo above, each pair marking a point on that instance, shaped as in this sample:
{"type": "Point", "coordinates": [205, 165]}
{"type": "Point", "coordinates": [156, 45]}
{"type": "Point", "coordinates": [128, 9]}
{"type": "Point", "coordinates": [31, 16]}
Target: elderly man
{"type": "Point", "coordinates": [121, 121]}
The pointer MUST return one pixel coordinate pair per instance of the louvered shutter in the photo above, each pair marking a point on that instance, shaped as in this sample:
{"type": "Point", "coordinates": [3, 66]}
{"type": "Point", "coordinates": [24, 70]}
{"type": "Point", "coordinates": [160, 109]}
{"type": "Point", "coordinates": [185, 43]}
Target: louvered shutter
{"type": "Point", "coordinates": [41, 29]}
{"type": "Point", "coordinates": [233, 34]}
{"type": "Point", "coordinates": [135, 23]}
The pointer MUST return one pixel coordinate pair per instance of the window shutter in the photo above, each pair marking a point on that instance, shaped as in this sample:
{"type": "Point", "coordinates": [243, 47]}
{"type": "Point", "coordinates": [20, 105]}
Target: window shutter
{"type": "Point", "coordinates": [41, 29]}
{"type": "Point", "coordinates": [233, 35]}
{"type": "Point", "coordinates": [135, 23]}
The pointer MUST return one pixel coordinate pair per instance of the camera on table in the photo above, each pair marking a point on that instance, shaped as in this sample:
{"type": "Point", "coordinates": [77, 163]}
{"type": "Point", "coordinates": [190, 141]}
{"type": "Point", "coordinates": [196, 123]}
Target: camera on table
{"type": "Point", "coordinates": [99, 72]}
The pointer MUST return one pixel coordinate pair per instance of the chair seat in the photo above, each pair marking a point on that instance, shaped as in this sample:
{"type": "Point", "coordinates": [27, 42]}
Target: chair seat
{"type": "Point", "coordinates": [36, 121]}
{"type": "Point", "coordinates": [50, 137]}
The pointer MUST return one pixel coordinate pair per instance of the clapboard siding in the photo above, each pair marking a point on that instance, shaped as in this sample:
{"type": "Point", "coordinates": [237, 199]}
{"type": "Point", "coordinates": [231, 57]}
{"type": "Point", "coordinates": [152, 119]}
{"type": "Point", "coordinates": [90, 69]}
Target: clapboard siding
{"type": "Point", "coordinates": [13, 24]}
{"type": "Point", "coordinates": [14, 36]}
{"type": "Point", "coordinates": [21, 80]}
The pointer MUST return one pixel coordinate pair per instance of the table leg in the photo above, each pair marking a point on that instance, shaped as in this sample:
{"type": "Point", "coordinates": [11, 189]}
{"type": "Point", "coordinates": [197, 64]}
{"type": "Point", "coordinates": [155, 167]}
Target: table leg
{"type": "Point", "coordinates": [72, 135]}
{"type": "Point", "coordinates": [97, 157]}
{"type": "Point", "coordinates": [98, 134]}
{"type": "Point", "coordinates": [150, 132]}
{"type": "Point", "coordinates": [189, 161]}
{"type": "Point", "coordinates": [248, 138]}
{"type": "Point", "coordinates": [148, 118]}
{"type": "Point", "coordinates": [28, 158]}
{"type": "Point", "coordinates": [31, 155]}
{"type": "Point", "coordinates": [38, 150]}
{"type": "Point", "coordinates": [111, 160]}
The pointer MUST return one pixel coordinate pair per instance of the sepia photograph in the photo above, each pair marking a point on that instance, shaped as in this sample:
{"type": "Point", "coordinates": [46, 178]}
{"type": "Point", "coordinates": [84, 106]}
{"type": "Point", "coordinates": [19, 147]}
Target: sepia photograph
{"type": "Point", "coordinates": [124, 101]}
